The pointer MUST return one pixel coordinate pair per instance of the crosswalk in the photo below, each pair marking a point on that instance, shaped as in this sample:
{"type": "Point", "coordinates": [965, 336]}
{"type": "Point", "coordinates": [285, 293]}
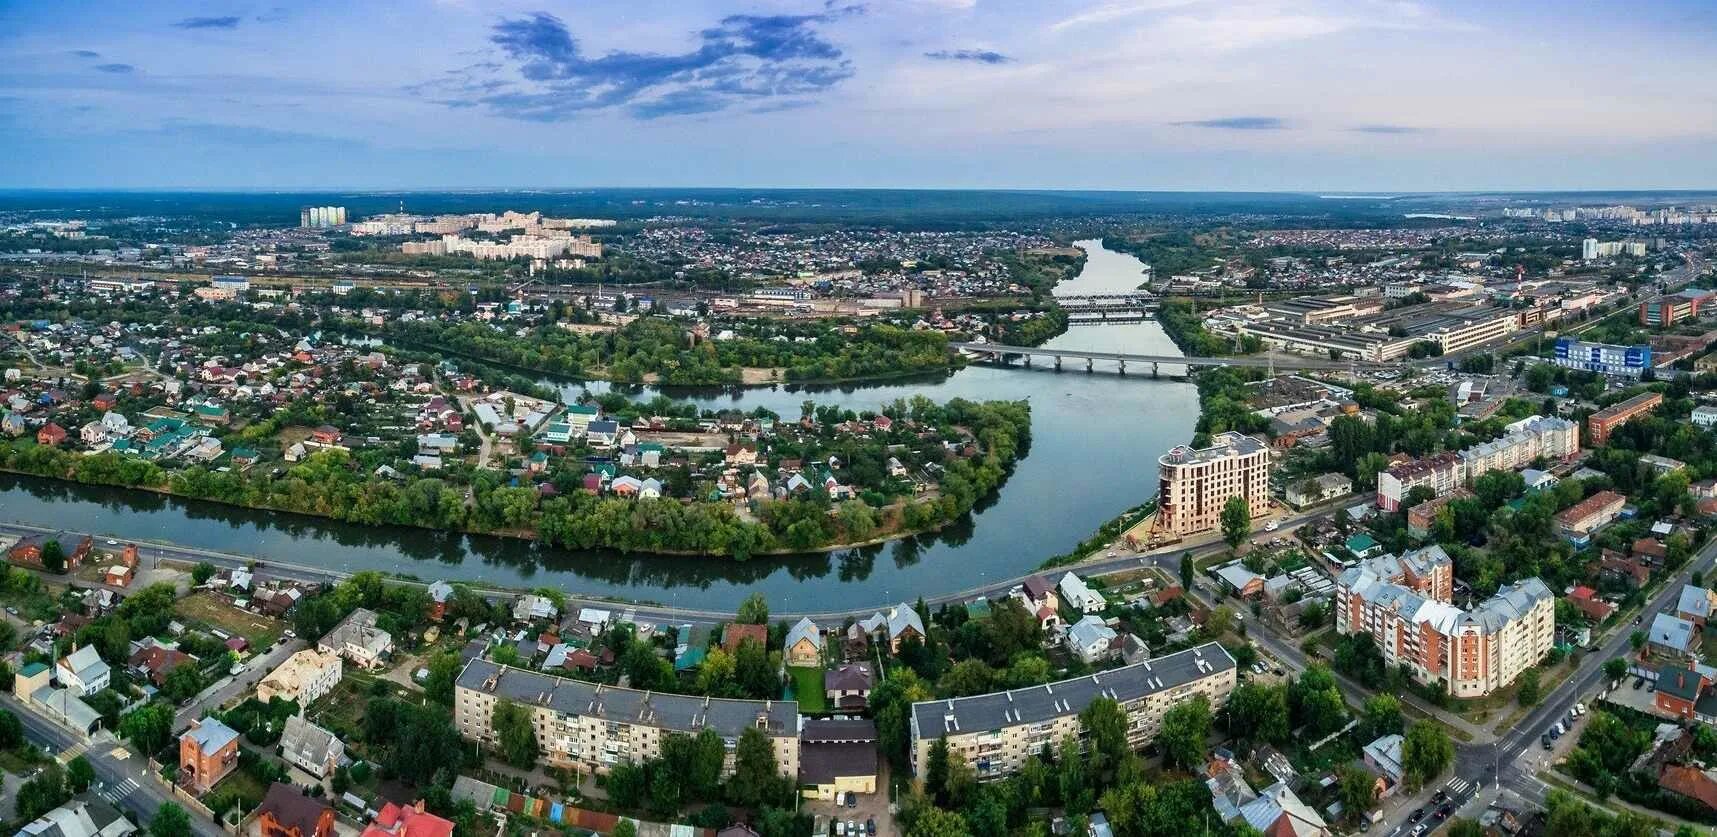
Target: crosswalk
{"type": "Point", "coordinates": [115, 793]}
{"type": "Point", "coordinates": [65, 756]}
{"type": "Point", "coordinates": [1458, 786]}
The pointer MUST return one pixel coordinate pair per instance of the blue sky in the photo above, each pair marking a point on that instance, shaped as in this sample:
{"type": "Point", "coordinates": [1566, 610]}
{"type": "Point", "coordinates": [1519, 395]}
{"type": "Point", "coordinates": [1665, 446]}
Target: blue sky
{"type": "Point", "coordinates": [1126, 94]}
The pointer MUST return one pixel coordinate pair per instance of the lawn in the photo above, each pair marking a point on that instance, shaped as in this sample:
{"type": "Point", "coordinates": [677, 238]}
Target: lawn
{"type": "Point", "coordinates": [808, 688]}
{"type": "Point", "coordinates": [208, 608]}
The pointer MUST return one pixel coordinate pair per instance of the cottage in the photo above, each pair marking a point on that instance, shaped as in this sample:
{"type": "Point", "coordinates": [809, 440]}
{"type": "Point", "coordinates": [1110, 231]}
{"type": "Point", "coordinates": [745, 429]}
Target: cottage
{"type": "Point", "coordinates": [1080, 596]}
{"type": "Point", "coordinates": [804, 644]}
{"type": "Point", "coordinates": [208, 751]}
{"type": "Point", "coordinates": [847, 687]}
{"type": "Point", "coordinates": [311, 748]}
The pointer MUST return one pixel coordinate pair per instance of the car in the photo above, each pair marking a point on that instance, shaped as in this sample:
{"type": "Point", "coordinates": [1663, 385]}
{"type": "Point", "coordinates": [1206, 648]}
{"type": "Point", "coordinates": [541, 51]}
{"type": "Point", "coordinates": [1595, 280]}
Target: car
{"type": "Point", "coordinates": [1545, 740]}
{"type": "Point", "coordinates": [870, 826]}
{"type": "Point", "coordinates": [1439, 797]}
{"type": "Point", "coordinates": [1638, 682]}
{"type": "Point", "coordinates": [1280, 672]}
{"type": "Point", "coordinates": [852, 827]}
{"type": "Point", "coordinates": [840, 829]}
{"type": "Point", "coordinates": [1271, 526]}
{"type": "Point", "coordinates": [1446, 811]}
{"type": "Point", "coordinates": [112, 542]}
{"type": "Point", "coordinates": [1113, 553]}
{"type": "Point", "coordinates": [1418, 829]}
{"type": "Point", "coordinates": [852, 799]}
{"type": "Point", "coordinates": [1417, 815]}
{"type": "Point", "coordinates": [1579, 709]}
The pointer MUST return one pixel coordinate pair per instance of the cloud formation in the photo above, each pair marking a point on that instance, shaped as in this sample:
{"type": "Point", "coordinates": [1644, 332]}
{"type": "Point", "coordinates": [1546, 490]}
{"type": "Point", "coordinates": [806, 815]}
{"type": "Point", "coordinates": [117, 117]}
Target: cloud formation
{"type": "Point", "coordinates": [1238, 123]}
{"type": "Point", "coordinates": [228, 22]}
{"type": "Point", "coordinates": [743, 59]}
{"type": "Point", "coordinates": [1387, 129]}
{"type": "Point", "coordinates": [981, 56]}
{"type": "Point", "coordinates": [86, 53]}
{"type": "Point", "coordinates": [116, 68]}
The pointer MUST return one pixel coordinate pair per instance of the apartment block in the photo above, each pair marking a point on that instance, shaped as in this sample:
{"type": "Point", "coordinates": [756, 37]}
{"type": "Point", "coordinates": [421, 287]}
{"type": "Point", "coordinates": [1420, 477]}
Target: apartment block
{"type": "Point", "coordinates": [1195, 484]}
{"type": "Point", "coordinates": [1602, 423]}
{"type": "Point", "coordinates": [995, 733]}
{"type": "Point", "coordinates": [303, 677]}
{"type": "Point", "coordinates": [1521, 443]}
{"type": "Point", "coordinates": [1404, 604]}
{"type": "Point", "coordinates": [592, 727]}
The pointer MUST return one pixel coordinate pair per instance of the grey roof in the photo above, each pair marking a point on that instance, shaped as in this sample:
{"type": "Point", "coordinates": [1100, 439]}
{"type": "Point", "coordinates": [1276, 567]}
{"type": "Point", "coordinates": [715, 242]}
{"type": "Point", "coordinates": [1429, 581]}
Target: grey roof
{"type": "Point", "coordinates": [838, 732]}
{"type": "Point", "coordinates": [804, 629]}
{"type": "Point", "coordinates": [901, 617]}
{"type": "Point", "coordinates": [80, 818]}
{"type": "Point", "coordinates": [681, 713]}
{"type": "Point", "coordinates": [1694, 600]}
{"type": "Point", "coordinates": [822, 764]}
{"type": "Point", "coordinates": [1671, 632]}
{"type": "Point", "coordinates": [211, 735]}
{"type": "Point", "coordinates": [86, 664]}
{"type": "Point", "coordinates": [305, 743]}
{"type": "Point", "coordinates": [1034, 704]}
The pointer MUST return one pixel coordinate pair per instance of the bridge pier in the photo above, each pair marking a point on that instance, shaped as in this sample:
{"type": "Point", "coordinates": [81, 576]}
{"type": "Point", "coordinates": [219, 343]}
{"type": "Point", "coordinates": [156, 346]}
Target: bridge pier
{"type": "Point", "coordinates": [1153, 369]}
{"type": "Point", "coordinates": [1058, 363]}
{"type": "Point", "coordinates": [1123, 367]}
{"type": "Point", "coordinates": [1088, 364]}
{"type": "Point", "coordinates": [1028, 360]}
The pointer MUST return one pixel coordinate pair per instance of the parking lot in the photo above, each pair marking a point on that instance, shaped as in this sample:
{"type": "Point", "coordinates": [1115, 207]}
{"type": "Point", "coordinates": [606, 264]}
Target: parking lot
{"type": "Point", "coordinates": [870, 806]}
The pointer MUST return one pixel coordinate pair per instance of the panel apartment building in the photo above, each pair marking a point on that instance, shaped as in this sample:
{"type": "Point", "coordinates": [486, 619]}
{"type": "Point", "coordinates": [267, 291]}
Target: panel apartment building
{"type": "Point", "coordinates": [995, 733]}
{"type": "Point", "coordinates": [1195, 483]}
{"type": "Point", "coordinates": [592, 727]}
{"type": "Point", "coordinates": [1520, 444]}
{"type": "Point", "coordinates": [1404, 604]}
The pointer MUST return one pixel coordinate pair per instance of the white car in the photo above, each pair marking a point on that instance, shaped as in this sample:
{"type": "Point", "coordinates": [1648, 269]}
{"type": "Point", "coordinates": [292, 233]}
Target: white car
{"type": "Point", "coordinates": [1271, 526]}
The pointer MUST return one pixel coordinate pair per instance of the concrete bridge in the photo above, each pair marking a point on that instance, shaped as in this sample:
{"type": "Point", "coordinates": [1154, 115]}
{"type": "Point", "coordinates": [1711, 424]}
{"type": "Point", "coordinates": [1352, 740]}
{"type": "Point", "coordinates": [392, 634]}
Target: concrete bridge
{"type": "Point", "coordinates": [1133, 306]}
{"type": "Point", "coordinates": [1003, 354]}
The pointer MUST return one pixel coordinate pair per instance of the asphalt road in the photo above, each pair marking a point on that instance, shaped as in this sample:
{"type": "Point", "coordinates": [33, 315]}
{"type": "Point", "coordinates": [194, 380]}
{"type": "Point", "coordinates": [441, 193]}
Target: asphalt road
{"type": "Point", "coordinates": [125, 782]}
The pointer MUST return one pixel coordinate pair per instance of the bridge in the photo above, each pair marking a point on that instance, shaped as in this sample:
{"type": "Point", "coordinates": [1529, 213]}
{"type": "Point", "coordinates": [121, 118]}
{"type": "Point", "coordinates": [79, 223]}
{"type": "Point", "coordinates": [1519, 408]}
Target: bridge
{"type": "Point", "coordinates": [1001, 353]}
{"type": "Point", "coordinates": [1127, 306]}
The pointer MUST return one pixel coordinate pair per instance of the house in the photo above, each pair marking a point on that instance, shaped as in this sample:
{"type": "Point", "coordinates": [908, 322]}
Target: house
{"type": "Point", "coordinates": [208, 751]}
{"type": "Point", "coordinates": [285, 812]}
{"type": "Point", "coordinates": [1615, 565]}
{"type": "Point", "coordinates": [736, 633]}
{"type": "Point", "coordinates": [310, 748]}
{"type": "Point", "coordinates": [117, 575]}
{"type": "Point", "coordinates": [1091, 640]}
{"type": "Point", "coordinates": [80, 818]}
{"type": "Point", "coordinates": [1578, 521]}
{"type": "Point", "coordinates": [1277, 812]}
{"type": "Point", "coordinates": [1672, 638]}
{"type": "Point", "coordinates": [82, 671]}
{"type": "Point", "coordinates": [440, 595]}
{"type": "Point", "coordinates": [1240, 581]}
{"type": "Point", "coordinates": [1229, 791]}
{"type": "Point", "coordinates": [1079, 595]}
{"type": "Point", "coordinates": [1695, 604]}
{"type": "Point", "coordinates": [1691, 783]}
{"type": "Point", "coordinates": [1316, 490]}
{"type": "Point", "coordinates": [156, 661]}
{"type": "Point", "coordinates": [1585, 600]}
{"type": "Point", "coordinates": [1040, 601]}
{"type": "Point", "coordinates": [1679, 691]}
{"type": "Point", "coordinates": [534, 608]}
{"type": "Point", "coordinates": [358, 640]}
{"type": "Point", "coordinates": [1362, 545]}
{"type": "Point", "coordinates": [804, 644]}
{"type": "Point", "coordinates": [51, 435]}
{"type": "Point", "coordinates": [847, 687]}
{"type": "Point", "coordinates": [326, 434]}
{"type": "Point", "coordinates": [837, 758]}
{"type": "Point", "coordinates": [407, 821]}
{"type": "Point", "coordinates": [898, 624]}
{"type": "Point", "coordinates": [1383, 756]}
{"type": "Point", "coordinates": [28, 550]}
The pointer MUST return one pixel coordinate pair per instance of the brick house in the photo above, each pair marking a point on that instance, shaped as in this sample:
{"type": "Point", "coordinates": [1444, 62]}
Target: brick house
{"type": "Point", "coordinates": [285, 812]}
{"type": "Point", "coordinates": [51, 435]}
{"type": "Point", "coordinates": [28, 550]}
{"type": "Point", "coordinates": [208, 751]}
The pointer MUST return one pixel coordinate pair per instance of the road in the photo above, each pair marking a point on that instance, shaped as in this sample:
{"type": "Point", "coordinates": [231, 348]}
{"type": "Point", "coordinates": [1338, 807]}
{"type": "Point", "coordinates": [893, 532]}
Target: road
{"type": "Point", "coordinates": [230, 687]}
{"type": "Point", "coordinates": [125, 782]}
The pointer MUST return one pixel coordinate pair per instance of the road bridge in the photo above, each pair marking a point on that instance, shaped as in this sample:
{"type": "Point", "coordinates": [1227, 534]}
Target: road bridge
{"type": "Point", "coordinates": [1001, 353]}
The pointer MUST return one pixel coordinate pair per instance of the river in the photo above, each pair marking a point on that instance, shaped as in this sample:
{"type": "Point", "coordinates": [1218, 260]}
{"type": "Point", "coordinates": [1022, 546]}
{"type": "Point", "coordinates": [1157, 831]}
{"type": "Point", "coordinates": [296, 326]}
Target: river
{"type": "Point", "coordinates": [1095, 440]}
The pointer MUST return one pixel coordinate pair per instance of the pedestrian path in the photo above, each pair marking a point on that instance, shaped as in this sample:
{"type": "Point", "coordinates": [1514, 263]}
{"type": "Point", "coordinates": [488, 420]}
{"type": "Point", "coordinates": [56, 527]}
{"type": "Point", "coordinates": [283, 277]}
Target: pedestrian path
{"type": "Point", "coordinates": [115, 793]}
{"type": "Point", "coordinates": [65, 756]}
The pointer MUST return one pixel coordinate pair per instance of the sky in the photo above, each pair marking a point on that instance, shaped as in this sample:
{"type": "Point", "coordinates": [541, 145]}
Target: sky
{"type": "Point", "coordinates": [1247, 95]}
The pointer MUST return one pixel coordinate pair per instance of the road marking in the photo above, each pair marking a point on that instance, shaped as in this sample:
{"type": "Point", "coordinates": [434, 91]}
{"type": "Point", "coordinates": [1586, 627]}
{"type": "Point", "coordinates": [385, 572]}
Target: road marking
{"type": "Point", "coordinates": [1458, 785]}
{"type": "Point", "coordinates": [116, 793]}
{"type": "Point", "coordinates": [65, 756]}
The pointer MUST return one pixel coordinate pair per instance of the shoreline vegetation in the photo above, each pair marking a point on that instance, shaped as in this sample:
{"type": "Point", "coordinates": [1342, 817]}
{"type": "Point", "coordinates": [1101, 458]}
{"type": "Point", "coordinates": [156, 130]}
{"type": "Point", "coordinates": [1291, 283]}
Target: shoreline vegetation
{"type": "Point", "coordinates": [331, 484]}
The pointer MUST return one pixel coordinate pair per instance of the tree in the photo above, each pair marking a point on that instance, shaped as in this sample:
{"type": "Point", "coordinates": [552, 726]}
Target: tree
{"type": "Point", "coordinates": [1637, 640]}
{"type": "Point", "coordinates": [756, 779]}
{"type": "Point", "coordinates": [1357, 790]}
{"type": "Point", "coordinates": [936, 768]}
{"type": "Point", "coordinates": [1219, 620]}
{"type": "Point", "coordinates": [1527, 690]}
{"type": "Point", "coordinates": [1615, 669]}
{"type": "Point", "coordinates": [935, 822]}
{"type": "Point", "coordinates": [53, 557]}
{"type": "Point", "coordinates": [44, 793]}
{"type": "Point", "coordinates": [1259, 712]}
{"type": "Point", "coordinates": [170, 821]}
{"type": "Point", "coordinates": [1184, 730]}
{"type": "Point", "coordinates": [516, 734]}
{"type": "Point", "coordinates": [443, 671]}
{"type": "Point", "coordinates": [624, 828]}
{"type": "Point", "coordinates": [1382, 716]}
{"type": "Point", "coordinates": [1236, 521]}
{"type": "Point", "coordinates": [754, 610]}
{"type": "Point", "coordinates": [11, 731]}
{"type": "Point", "coordinates": [1425, 753]}
{"type": "Point", "coordinates": [1463, 827]}
{"type": "Point", "coordinates": [1186, 570]}
{"type": "Point", "coordinates": [149, 728]}
{"type": "Point", "coordinates": [79, 774]}
{"type": "Point", "coordinates": [1105, 727]}
{"type": "Point", "coordinates": [202, 572]}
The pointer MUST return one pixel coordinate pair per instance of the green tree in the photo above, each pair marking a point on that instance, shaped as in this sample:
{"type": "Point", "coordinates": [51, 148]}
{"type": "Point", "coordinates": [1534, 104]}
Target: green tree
{"type": "Point", "coordinates": [935, 822]}
{"type": "Point", "coordinates": [148, 728]}
{"type": "Point", "coordinates": [11, 731]}
{"type": "Point", "coordinates": [202, 572]}
{"type": "Point", "coordinates": [936, 768]}
{"type": "Point", "coordinates": [1463, 827]}
{"type": "Point", "coordinates": [756, 779]}
{"type": "Point", "coordinates": [1187, 567]}
{"type": "Point", "coordinates": [1236, 521]}
{"type": "Point", "coordinates": [443, 672]}
{"type": "Point", "coordinates": [517, 736]}
{"type": "Point", "coordinates": [1382, 715]}
{"type": "Point", "coordinates": [1184, 730]}
{"type": "Point", "coordinates": [1105, 727]}
{"type": "Point", "coordinates": [1425, 753]}
{"type": "Point", "coordinates": [1357, 790]}
{"type": "Point", "coordinates": [1637, 640]}
{"type": "Point", "coordinates": [1526, 689]}
{"type": "Point", "coordinates": [1259, 712]}
{"type": "Point", "coordinates": [53, 557]}
{"type": "Point", "coordinates": [754, 610]}
{"type": "Point", "coordinates": [79, 774]}
{"type": "Point", "coordinates": [170, 821]}
{"type": "Point", "coordinates": [43, 793]}
{"type": "Point", "coordinates": [624, 828]}
{"type": "Point", "coordinates": [1615, 669]}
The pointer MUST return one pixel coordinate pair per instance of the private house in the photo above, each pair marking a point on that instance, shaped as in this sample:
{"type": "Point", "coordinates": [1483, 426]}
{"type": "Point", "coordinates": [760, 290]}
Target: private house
{"type": "Point", "coordinates": [310, 748]}
{"type": "Point", "coordinates": [1079, 595]}
{"type": "Point", "coordinates": [1278, 812]}
{"type": "Point", "coordinates": [28, 550]}
{"type": "Point", "coordinates": [804, 644]}
{"type": "Point", "coordinates": [82, 671]}
{"type": "Point", "coordinates": [1695, 604]}
{"type": "Point", "coordinates": [208, 751]}
{"type": "Point", "coordinates": [534, 608]}
{"type": "Point", "coordinates": [1383, 756]}
{"type": "Point", "coordinates": [440, 595]}
{"type": "Point", "coordinates": [837, 758]}
{"type": "Point", "coordinates": [1680, 690]}
{"type": "Point", "coordinates": [407, 821]}
{"type": "Point", "coordinates": [735, 634]}
{"type": "Point", "coordinates": [900, 622]}
{"type": "Point", "coordinates": [1319, 489]}
{"type": "Point", "coordinates": [358, 640]}
{"type": "Point", "coordinates": [1040, 601]}
{"type": "Point", "coordinates": [847, 686]}
{"type": "Point", "coordinates": [285, 812]}
{"type": "Point", "coordinates": [1090, 640]}
{"type": "Point", "coordinates": [1585, 600]}
{"type": "Point", "coordinates": [156, 661]}
{"type": "Point", "coordinates": [51, 435]}
{"type": "Point", "coordinates": [1240, 581]}
{"type": "Point", "coordinates": [80, 818]}
{"type": "Point", "coordinates": [1673, 639]}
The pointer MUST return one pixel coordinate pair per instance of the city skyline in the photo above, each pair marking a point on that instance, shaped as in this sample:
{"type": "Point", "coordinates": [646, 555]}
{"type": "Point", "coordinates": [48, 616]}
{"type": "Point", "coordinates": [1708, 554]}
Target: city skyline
{"type": "Point", "coordinates": [1121, 94]}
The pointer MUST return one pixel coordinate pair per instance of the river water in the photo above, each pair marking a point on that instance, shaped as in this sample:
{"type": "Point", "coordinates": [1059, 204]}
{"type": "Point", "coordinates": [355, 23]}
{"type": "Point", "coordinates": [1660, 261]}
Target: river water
{"type": "Point", "coordinates": [1095, 440]}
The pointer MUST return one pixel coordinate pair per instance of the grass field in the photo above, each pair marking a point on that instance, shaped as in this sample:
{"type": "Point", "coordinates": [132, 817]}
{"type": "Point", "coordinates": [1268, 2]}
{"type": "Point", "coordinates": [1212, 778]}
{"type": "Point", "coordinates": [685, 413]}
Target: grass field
{"type": "Point", "coordinates": [207, 608]}
{"type": "Point", "coordinates": [808, 688]}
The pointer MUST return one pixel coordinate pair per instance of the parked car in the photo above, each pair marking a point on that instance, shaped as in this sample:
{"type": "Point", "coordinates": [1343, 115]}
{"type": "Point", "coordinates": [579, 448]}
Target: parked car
{"type": "Point", "coordinates": [852, 799]}
{"type": "Point", "coordinates": [1638, 682]}
{"type": "Point", "coordinates": [870, 827]}
{"type": "Point", "coordinates": [1417, 815]}
{"type": "Point", "coordinates": [1545, 740]}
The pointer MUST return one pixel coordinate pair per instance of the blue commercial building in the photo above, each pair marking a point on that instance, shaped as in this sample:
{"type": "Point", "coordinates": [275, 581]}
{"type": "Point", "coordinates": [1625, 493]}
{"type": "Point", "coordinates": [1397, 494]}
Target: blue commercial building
{"type": "Point", "coordinates": [1605, 358]}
